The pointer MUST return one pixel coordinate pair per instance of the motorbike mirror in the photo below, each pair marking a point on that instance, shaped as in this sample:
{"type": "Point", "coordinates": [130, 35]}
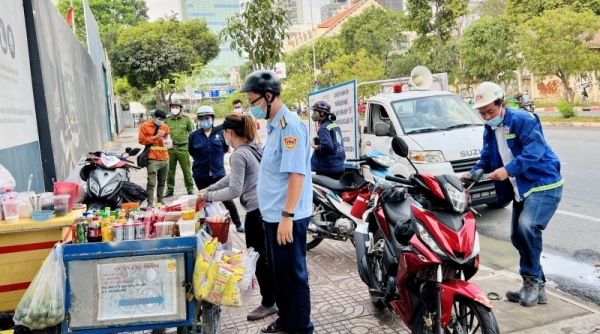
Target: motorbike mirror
{"type": "Point", "coordinates": [476, 176]}
{"type": "Point", "coordinates": [134, 151]}
{"type": "Point", "coordinates": [399, 146]}
{"type": "Point", "coordinates": [127, 149]}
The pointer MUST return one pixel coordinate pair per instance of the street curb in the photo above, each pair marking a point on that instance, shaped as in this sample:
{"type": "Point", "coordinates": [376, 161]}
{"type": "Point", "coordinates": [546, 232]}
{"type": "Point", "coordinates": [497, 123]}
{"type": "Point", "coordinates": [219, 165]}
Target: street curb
{"type": "Point", "coordinates": [579, 124]}
{"type": "Point", "coordinates": [577, 109]}
{"type": "Point", "coordinates": [590, 307]}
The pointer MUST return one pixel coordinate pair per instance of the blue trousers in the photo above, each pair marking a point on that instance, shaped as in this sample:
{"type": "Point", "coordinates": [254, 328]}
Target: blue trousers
{"type": "Point", "coordinates": [288, 268]}
{"type": "Point", "coordinates": [529, 218]}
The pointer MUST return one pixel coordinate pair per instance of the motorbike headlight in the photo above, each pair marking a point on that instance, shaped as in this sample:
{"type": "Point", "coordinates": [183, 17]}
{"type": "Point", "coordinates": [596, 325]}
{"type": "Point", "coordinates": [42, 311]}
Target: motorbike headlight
{"type": "Point", "coordinates": [109, 188]}
{"type": "Point", "coordinates": [383, 160]}
{"type": "Point", "coordinates": [428, 240]}
{"type": "Point", "coordinates": [457, 197]}
{"type": "Point", "coordinates": [424, 157]}
{"type": "Point", "coordinates": [94, 187]}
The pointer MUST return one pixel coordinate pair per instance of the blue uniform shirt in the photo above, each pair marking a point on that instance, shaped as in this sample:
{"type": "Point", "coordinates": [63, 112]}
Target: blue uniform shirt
{"type": "Point", "coordinates": [208, 153]}
{"type": "Point", "coordinates": [287, 151]}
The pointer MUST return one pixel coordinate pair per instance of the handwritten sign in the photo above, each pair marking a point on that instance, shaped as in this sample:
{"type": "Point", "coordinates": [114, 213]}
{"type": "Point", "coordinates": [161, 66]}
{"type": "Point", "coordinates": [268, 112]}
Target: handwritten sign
{"type": "Point", "coordinates": [137, 289]}
{"type": "Point", "coordinates": [342, 99]}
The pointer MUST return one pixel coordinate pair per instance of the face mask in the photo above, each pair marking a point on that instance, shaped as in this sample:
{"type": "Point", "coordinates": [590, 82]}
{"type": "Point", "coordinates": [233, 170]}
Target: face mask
{"type": "Point", "coordinates": [158, 122]}
{"type": "Point", "coordinates": [241, 110]}
{"type": "Point", "coordinates": [315, 117]}
{"type": "Point", "coordinates": [228, 140]}
{"type": "Point", "coordinates": [175, 111]}
{"type": "Point", "coordinates": [257, 112]}
{"type": "Point", "coordinates": [207, 124]}
{"type": "Point", "coordinates": [496, 121]}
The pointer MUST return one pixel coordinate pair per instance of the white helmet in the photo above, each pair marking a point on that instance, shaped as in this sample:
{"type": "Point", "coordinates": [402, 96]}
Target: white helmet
{"type": "Point", "coordinates": [205, 111]}
{"type": "Point", "coordinates": [487, 93]}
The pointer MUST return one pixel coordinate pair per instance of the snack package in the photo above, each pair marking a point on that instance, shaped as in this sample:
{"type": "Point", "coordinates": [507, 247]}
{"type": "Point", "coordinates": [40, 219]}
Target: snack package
{"type": "Point", "coordinates": [211, 275]}
{"type": "Point", "coordinates": [221, 279]}
{"type": "Point", "coordinates": [232, 295]}
{"type": "Point", "coordinates": [207, 247]}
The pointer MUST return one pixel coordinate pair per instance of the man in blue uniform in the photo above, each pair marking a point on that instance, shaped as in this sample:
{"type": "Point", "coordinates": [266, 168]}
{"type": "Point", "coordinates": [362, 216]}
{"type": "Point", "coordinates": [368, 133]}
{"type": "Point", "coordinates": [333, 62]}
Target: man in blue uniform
{"type": "Point", "coordinates": [329, 155]}
{"type": "Point", "coordinates": [285, 201]}
{"type": "Point", "coordinates": [207, 146]}
{"type": "Point", "coordinates": [526, 171]}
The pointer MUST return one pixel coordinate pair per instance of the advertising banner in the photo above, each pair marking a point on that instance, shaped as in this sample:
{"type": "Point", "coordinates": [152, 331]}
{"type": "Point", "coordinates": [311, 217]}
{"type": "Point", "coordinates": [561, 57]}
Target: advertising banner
{"type": "Point", "coordinates": [342, 99]}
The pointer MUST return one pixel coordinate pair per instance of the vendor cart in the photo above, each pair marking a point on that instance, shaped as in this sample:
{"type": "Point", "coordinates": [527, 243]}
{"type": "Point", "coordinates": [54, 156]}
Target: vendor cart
{"type": "Point", "coordinates": [23, 247]}
{"type": "Point", "coordinates": [132, 286]}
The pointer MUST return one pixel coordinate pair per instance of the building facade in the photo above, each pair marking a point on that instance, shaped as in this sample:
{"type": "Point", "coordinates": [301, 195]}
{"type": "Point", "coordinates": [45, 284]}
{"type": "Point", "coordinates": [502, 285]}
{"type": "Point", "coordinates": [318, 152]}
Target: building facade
{"type": "Point", "coordinates": [295, 11]}
{"type": "Point", "coordinates": [333, 8]}
{"type": "Point", "coordinates": [215, 13]}
{"type": "Point", "coordinates": [397, 5]}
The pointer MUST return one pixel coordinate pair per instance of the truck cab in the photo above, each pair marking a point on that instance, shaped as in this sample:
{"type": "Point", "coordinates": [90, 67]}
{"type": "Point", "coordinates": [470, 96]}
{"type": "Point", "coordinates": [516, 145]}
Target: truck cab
{"type": "Point", "coordinates": [443, 133]}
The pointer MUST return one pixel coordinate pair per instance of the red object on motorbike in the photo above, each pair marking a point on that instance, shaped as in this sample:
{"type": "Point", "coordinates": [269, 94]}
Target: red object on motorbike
{"type": "Point", "coordinates": [433, 185]}
{"type": "Point", "coordinates": [360, 205]}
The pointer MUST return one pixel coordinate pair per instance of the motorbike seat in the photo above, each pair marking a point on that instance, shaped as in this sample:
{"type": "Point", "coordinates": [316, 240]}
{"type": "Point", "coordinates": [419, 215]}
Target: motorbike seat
{"type": "Point", "coordinates": [329, 183]}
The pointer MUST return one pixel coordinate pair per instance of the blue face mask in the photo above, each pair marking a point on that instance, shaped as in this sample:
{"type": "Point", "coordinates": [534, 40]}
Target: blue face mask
{"type": "Point", "coordinates": [158, 122]}
{"type": "Point", "coordinates": [257, 112]}
{"type": "Point", "coordinates": [206, 124]}
{"type": "Point", "coordinates": [496, 121]}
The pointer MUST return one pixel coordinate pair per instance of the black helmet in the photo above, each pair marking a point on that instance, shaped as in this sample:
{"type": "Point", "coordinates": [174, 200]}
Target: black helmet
{"type": "Point", "coordinates": [175, 102]}
{"type": "Point", "coordinates": [322, 106]}
{"type": "Point", "coordinates": [261, 82]}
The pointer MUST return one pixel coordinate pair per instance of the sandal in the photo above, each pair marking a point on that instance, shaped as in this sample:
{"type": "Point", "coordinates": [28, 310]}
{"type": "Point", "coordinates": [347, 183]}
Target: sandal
{"type": "Point", "coordinates": [274, 327]}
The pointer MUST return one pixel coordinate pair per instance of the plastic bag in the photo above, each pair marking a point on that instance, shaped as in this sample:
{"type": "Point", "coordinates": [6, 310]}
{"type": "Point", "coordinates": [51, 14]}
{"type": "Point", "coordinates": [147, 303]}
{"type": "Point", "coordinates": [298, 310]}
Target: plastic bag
{"type": "Point", "coordinates": [43, 304]}
{"type": "Point", "coordinates": [206, 248]}
{"type": "Point", "coordinates": [6, 179]}
{"type": "Point", "coordinates": [74, 176]}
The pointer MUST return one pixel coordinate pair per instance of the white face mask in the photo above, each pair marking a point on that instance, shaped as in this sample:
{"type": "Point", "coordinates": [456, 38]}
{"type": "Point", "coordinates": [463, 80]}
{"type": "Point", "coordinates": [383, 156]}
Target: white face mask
{"type": "Point", "coordinates": [241, 110]}
{"type": "Point", "coordinates": [175, 111]}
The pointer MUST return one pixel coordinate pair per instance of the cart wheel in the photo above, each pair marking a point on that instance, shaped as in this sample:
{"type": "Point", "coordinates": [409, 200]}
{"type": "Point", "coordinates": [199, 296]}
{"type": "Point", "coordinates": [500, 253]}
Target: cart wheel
{"type": "Point", "coordinates": [211, 318]}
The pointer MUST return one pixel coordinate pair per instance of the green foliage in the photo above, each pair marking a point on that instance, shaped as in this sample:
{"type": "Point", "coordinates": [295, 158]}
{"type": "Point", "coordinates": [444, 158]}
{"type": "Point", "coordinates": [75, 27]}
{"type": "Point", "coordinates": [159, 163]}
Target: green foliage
{"type": "Point", "coordinates": [436, 18]}
{"type": "Point", "coordinates": [487, 50]}
{"type": "Point", "coordinates": [259, 31]}
{"type": "Point", "coordinates": [378, 30]}
{"type": "Point", "coordinates": [556, 43]}
{"type": "Point", "coordinates": [361, 66]}
{"type": "Point", "coordinates": [111, 15]}
{"type": "Point", "coordinates": [156, 53]}
{"type": "Point", "coordinates": [400, 66]}
{"type": "Point", "coordinates": [522, 10]}
{"type": "Point", "coordinates": [566, 109]}
{"type": "Point", "coordinates": [296, 88]}
{"type": "Point", "coordinates": [301, 61]}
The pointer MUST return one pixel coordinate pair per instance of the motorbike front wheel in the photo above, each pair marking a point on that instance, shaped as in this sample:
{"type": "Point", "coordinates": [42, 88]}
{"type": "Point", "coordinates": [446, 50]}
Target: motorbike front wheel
{"type": "Point", "coordinates": [467, 316]}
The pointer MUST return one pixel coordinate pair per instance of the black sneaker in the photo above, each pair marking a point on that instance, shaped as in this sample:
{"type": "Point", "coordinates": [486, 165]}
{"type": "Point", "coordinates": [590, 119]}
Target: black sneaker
{"type": "Point", "coordinates": [191, 192]}
{"type": "Point", "coordinates": [168, 195]}
{"type": "Point", "coordinates": [240, 229]}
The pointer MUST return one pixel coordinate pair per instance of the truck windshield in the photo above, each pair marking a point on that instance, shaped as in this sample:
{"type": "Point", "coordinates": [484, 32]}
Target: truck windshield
{"type": "Point", "coordinates": [435, 113]}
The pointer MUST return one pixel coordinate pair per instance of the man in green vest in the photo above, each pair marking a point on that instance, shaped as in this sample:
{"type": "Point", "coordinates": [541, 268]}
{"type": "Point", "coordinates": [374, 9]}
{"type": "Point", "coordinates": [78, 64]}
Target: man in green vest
{"type": "Point", "coordinates": [180, 126]}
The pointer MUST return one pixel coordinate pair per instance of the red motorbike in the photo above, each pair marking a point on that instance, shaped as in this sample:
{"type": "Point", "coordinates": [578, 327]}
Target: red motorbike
{"type": "Point", "coordinates": [418, 249]}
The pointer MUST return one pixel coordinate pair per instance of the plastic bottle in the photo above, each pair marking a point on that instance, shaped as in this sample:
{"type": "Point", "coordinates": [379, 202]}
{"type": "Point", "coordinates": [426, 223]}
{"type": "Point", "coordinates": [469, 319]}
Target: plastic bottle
{"type": "Point", "coordinates": [148, 226]}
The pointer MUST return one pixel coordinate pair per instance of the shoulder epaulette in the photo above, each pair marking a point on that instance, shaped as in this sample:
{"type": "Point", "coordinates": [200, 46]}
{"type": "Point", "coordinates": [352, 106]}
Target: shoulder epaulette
{"type": "Point", "coordinates": [283, 122]}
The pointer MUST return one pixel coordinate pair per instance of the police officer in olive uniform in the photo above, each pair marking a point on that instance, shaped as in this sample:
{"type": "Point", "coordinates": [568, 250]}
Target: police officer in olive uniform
{"type": "Point", "coordinates": [180, 126]}
{"type": "Point", "coordinates": [329, 155]}
{"type": "Point", "coordinates": [285, 201]}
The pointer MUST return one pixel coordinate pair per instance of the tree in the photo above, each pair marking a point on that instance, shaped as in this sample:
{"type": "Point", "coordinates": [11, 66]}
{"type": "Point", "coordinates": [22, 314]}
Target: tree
{"type": "Point", "coordinates": [487, 51]}
{"type": "Point", "coordinates": [523, 10]}
{"type": "Point", "coordinates": [296, 89]}
{"type": "Point", "coordinates": [109, 14]}
{"type": "Point", "coordinates": [259, 31]}
{"type": "Point", "coordinates": [490, 8]}
{"type": "Point", "coordinates": [436, 18]}
{"type": "Point", "coordinates": [361, 66]}
{"type": "Point", "coordinates": [400, 66]}
{"type": "Point", "coordinates": [376, 29]}
{"type": "Point", "coordinates": [301, 61]}
{"type": "Point", "coordinates": [152, 52]}
{"type": "Point", "coordinates": [557, 43]}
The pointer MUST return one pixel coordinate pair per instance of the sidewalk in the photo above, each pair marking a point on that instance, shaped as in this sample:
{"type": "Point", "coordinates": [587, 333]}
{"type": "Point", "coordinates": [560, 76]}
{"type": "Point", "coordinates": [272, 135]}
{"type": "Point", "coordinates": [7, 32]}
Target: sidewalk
{"type": "Point", "coordinates": [341, 304]}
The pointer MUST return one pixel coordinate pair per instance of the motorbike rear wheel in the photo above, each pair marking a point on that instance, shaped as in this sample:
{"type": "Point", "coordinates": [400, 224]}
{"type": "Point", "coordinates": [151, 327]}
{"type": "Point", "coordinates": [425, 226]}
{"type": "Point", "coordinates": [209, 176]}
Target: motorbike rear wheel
{"type": "Point", "coordinates": [467, 316]}
{"type": "Point", "coordinates": [377, 268]}
{"type": "Point", "coordinates": [311, 241]}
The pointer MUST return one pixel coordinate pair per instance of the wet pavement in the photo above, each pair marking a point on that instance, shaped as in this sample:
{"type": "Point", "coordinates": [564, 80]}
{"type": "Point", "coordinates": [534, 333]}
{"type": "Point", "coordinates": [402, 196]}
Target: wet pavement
{"type": "Point", "coordinates": [341, 304]}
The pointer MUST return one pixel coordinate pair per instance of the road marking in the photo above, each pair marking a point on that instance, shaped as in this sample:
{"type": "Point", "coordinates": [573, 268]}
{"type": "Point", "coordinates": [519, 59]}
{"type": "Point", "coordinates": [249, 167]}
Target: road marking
{"type": "Point", "coordinates": [577, 215]}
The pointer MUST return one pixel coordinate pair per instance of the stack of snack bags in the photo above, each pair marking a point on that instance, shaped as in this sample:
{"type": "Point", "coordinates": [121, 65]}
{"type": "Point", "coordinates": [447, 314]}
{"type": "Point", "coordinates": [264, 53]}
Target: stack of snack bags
{"type": "Point", "coordinates": [223, 277]}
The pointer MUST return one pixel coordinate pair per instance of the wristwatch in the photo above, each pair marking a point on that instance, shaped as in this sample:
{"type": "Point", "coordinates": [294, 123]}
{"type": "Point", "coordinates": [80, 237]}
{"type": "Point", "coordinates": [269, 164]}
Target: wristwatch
{"type": "Point", "coordinates": [287, 214]}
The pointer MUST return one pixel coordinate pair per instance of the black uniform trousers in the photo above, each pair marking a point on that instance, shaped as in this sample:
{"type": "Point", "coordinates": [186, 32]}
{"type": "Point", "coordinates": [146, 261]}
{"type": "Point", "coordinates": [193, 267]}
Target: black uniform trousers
{"type": "Point", "coordinates": [289, 271]}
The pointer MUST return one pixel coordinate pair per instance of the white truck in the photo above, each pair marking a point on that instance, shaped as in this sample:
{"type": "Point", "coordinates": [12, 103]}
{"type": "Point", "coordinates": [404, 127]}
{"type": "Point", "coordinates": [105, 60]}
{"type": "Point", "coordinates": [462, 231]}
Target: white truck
{"type": "Point", "coordinates": [443, 133]}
